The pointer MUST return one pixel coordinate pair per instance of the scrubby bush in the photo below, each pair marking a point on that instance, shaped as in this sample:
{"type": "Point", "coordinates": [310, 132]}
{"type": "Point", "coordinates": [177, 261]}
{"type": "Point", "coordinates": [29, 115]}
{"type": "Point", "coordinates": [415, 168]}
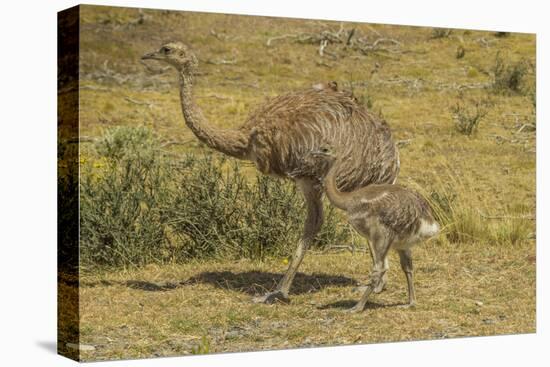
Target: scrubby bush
{"type": "Point", "coordinates": [440, 33]}
{"type": "Point", "coordinates": [509, 77]}
{"type": "Point", "coordinates": [121, 196]}
{"type": "Point", "coordinates": [467, 115]}
{"type": "Point", "coordinates": [139, 205]}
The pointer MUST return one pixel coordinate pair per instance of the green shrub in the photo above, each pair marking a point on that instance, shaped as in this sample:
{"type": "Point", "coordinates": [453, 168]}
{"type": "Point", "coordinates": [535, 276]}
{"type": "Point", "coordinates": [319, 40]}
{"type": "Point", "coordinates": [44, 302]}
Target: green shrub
{"type": "Point", "coordinates": [509, 77]}
{"type": "Point", "coordinates": [467, 116]}
{"type": "Point", "coordinates": [120, 200]}
{"type": "Point", "coordinates": [223, 214]}
{"type": "Point", "coordinates": [440, 33]}
{"type": "Point", "coordinates": [460, 52]}
{"type": "Point", "coordinates": [140, 206]}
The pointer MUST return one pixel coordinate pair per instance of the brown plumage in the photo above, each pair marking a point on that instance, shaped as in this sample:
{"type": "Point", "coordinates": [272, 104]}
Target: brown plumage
{"type": "Point", "coordinates": [278, 135]}
{"type": "Point", "coordinates": [389, 216]}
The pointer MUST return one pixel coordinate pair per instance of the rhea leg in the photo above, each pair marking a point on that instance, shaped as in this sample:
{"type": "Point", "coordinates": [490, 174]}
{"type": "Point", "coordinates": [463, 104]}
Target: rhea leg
{"type": "Point", "coordinates": [382, 285]}
{"type": "Point", "coordinates": [405, 257]}
{"type": "Point", "coordinates": [312, 194]}
{"type": "Point", "coordinates": [380, 248]}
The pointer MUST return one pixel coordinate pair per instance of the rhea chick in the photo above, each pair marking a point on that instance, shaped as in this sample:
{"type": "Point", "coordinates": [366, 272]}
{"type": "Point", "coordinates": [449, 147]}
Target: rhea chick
{"type": "Point", "coordinates": [389, 216]}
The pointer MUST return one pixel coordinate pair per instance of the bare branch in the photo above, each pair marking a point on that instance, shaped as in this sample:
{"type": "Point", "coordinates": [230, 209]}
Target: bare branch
{"type": "Point", "coordinates": [175, 142]}
{"type": "Point", "coordinates": [525, 216]}
{"type": "Point", "coordinates": [222, 62]}
{"type": "Point", "coordinates": [403, 143]}
{"type": "Point", "coordinates": [527, 127]}
{"type": "Point", "coordinates": [339, 248]}
{"type": "Point", "coordinates": [216, 96]}
{"type": "Point", "coordinates": [270, 40]}
{"type": "Point", "coordinates": [140, 103]}
{"type": "Point", "coordinates": [350, 35]}
{"type": "Point", "coordinates": [322, 46]}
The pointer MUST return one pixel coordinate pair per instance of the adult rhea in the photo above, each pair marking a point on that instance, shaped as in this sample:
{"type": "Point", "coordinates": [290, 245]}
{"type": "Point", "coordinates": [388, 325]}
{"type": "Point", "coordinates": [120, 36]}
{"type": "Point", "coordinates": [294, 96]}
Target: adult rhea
{"type": "Point", "coordinates": [278, 136]}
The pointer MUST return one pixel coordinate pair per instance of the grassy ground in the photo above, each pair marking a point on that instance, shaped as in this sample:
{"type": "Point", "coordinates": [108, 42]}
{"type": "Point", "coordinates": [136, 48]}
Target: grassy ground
{"type": "Point", "coordinates": [480, 281]}
{"type": "Point", "coordinates": [205, 307]}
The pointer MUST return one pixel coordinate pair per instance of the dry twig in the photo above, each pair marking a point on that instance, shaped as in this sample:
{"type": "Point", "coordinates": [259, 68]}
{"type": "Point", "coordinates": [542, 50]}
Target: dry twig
{"type": "Point", "coordinates": [139, 103]}
{"type": "Point", "coordinates": [525, 216]}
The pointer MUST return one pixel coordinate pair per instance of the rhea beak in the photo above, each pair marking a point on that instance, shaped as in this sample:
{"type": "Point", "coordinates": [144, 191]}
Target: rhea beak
{"type": "Point", "coordinates": [150, 56]}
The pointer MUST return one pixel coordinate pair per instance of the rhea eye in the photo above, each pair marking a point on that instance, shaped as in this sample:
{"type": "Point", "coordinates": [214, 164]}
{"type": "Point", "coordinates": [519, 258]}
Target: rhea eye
{"type": "Point", "coordinates": [165, 50]}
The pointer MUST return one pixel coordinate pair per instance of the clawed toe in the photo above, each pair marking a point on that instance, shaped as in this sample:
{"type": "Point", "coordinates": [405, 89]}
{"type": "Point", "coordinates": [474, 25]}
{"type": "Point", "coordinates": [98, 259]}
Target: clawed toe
{"type": "Point", "coordinates": [360, 289]}
{"type": "Point", "coordinates": [271, 297]}
{"type": "Point", "coordinates": [408, 306]}
{"type": "Point", "coordinates": [380, 288]}
{"type": "Point", "coordinates": [354, 309]}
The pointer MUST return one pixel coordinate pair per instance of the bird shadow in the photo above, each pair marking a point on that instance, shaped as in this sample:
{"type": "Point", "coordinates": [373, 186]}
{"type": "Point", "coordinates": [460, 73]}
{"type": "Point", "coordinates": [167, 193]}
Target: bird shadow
{"type": "Point", "coordinates": [249, 282]}
{"type": "Point", "coordinates": [152, 287]}
{"type": "Point", "coordinates": [256, 282]}
{"type": "Point", "coordinates": [349, 303]}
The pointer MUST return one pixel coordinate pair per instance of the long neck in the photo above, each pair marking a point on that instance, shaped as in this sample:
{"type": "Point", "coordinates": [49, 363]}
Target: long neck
{"type": "Point", "coordinates": [335, 196]}
{"type": "Point", "coordinates": [228, 141]}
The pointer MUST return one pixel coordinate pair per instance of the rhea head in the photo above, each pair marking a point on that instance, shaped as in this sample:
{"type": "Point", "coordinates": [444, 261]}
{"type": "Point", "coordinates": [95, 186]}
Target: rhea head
{"type": "Point", "coordinates": [324, 152]}
{"type": "Point", "coordinates": [322, 156]}
{"type": "Point", "coordinates": [175, 54]}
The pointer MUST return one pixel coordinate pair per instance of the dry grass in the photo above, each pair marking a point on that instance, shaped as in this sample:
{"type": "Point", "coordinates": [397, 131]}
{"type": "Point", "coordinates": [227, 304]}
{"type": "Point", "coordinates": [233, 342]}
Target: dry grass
{"type": "Point", "coordinates": [463, 290]}
{"type": "Point", "coordinates": [158, 311]}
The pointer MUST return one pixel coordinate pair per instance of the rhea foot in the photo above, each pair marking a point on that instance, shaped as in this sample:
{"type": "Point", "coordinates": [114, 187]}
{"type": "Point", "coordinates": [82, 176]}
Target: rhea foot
{"type": "Point", "coordinates": [410, 305]}
{"type": "Point", "coordinates": [380, 287]}
{"type": "Point", "coordinates": [355, 309]}
{"type": "Point", "coordinates": [272, 297]}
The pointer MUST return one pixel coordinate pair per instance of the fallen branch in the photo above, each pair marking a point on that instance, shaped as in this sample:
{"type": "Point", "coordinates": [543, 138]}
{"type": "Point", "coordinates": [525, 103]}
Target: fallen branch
{"type": "Point", "coordinates": [222, 62]}
{"type": "Point", "coordinates": [403, 143]}
{"type": "Point", "coordinates": [456, 86]}
{"type": "Point", "coordinates": [322, 46]}
{"type": "Point", "coordinates": [216, 97]}
{"type": "Point", "coordinates": [346, 38]}
{"type": "Point", "coordinates": [249, 85]}
{"type": "Point", "coordinates": [529, 126]}
{"type": "Point", "coordinates": [175, 142]}
{"type": "Point", "coordinates": [340, 248]}
{"type": "Point", "coordinates": [525, 216]}
{"type": "Point", "coordinates": [140, 103]}
{"type": "Point", "coordinates": [321, 63]}
{"type": "Point", "coordinates": [350, 36]}
{"type": "Point", "coordinates": [270, 40]}
{"type": "Point", "coordinates": [373, 30]}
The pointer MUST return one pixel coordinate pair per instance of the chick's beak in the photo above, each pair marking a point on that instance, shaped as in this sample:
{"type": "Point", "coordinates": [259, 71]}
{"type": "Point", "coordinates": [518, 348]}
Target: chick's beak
{"type": "Point", "coordinates": [150, 56]}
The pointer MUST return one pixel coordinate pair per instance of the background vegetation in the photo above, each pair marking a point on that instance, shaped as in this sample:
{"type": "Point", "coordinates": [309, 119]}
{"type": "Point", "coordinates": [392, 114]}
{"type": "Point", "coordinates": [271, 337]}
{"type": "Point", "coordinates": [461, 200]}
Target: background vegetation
{"type": "Point", "coordinates": [175, 238]}
{"type": "Point", "coordinates": [141, 205]}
